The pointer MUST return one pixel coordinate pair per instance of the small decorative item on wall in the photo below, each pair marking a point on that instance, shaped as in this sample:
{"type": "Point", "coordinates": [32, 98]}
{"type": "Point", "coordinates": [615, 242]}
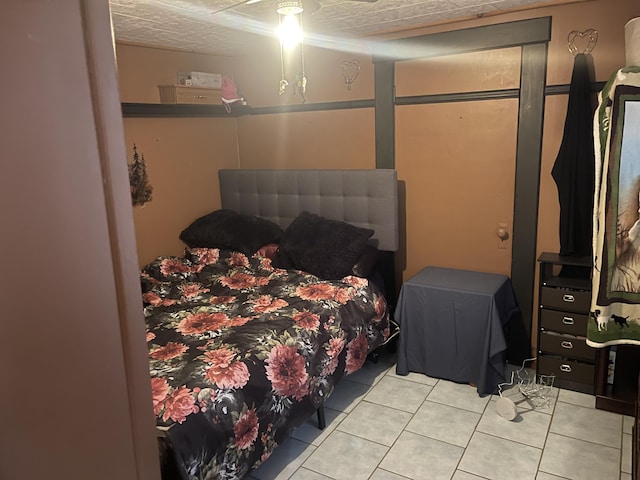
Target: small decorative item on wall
{"type": "Point", "coordinates": [350, 71]}
{"type": "Point", "coordinates": [138, 180]}
{"type": "Point", "coordinates": [586, 41]}
{"type": "Point", "coordinates": [230, 94]}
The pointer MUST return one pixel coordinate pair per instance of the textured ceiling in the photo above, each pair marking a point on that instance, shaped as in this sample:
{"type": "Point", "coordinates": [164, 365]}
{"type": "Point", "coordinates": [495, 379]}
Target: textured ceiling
{"type": "Point", "coordinates": [228, 27]}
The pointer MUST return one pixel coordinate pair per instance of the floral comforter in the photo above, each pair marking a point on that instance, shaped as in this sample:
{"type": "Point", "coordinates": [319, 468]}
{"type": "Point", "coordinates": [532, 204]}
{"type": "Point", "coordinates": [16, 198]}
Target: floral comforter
{"type": "Point", "coordinates": [241, 353]}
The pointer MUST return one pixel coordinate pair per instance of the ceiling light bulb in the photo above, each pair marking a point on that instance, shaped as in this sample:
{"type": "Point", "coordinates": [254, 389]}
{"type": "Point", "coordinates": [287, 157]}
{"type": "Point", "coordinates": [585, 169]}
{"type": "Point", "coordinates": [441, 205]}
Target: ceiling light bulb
{"type": "Point", "coordinates": [291, 7]}
{"type": "Point", "coordinates": [290, 31]}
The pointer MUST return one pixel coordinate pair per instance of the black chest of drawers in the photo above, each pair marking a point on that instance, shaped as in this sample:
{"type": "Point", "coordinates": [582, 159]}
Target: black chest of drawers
{"type": "Point", "coordinates": [563, 313]}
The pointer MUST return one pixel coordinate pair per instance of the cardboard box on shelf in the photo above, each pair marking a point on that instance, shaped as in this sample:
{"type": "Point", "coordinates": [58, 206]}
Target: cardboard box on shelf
{"type": "Point", "coordinates": [190, 95]}
{"type": "Point", "coordinates": [200, 79]}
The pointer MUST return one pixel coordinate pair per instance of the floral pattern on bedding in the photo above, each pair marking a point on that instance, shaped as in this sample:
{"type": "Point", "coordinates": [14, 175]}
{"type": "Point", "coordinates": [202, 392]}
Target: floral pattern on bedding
{"type": "Point", "coordinates": [242, 353]}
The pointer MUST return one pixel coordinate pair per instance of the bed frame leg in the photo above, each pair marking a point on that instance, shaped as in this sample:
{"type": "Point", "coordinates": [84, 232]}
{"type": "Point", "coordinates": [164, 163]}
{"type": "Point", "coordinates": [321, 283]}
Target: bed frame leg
{"type": "Point", "coordinates": [322, 421]}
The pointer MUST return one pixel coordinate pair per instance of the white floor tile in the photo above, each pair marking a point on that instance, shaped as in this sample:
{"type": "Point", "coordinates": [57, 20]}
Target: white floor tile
{"type": "Point", "coordinates": [422, 458]}
{"type": "Point", "coordinates": [380, 474]}
{"type": "Point", "coordinates": [445, 423]}
{"type": "Point", "coordinates": [499, 459]}
{"type": "Point", "coordinates": [597, 426]}
{"type": "Point", "coordinates": [399, 394]}
{"type": "Point", "coordinates": [346, 457]}
{"type": "Point", "coordinates": [458, 395]}
{"type": "Point", "coordinates": [382, 426]}
{"type": "Point", "coordinates": [579, 460]}
{"type": "Point", "coordinates": [375, 422]}
{"type": "Point", "coordinates": [529, 427]}
{"type": "Point", "coordinates": [577, 398]}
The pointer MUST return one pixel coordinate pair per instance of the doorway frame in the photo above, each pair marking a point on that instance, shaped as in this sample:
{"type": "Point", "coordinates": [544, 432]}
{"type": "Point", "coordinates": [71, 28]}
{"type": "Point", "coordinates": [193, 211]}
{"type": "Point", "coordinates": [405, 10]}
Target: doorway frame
{"type": "Point", "coordinates": [533, 36]}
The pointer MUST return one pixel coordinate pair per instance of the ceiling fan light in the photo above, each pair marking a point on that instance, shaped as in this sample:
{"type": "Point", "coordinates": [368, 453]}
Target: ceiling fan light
{"type": "Point", "coordinates": [289, 7]}
{"type": "Point", "coordinates": [290, 32]}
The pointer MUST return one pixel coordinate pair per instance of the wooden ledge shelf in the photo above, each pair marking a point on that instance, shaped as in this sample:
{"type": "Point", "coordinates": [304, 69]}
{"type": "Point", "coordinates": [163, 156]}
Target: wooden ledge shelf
{"type": "Point", "coordinates": [177, 110]}
{"type": "Point", "coordinates": [181, 110]}
{"type": "Point", "coordinates": [174, 110]}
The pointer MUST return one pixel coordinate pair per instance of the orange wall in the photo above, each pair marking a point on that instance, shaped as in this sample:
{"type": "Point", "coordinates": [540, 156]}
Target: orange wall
{"type": "Point", "coordinates": [142, 69]}
{"type": "Point", "coordinates": [345, 138]}
{"type": "Point", "coordinates": [325, 81]}
{"type": "Point", "coordinates": [182, 155]}
{"type": "Point", "coordinates": [327, 139]}
{"type": "Point", "coordinates": [457, 160]}
{"type": "Point", "coordinates": [459, 183]}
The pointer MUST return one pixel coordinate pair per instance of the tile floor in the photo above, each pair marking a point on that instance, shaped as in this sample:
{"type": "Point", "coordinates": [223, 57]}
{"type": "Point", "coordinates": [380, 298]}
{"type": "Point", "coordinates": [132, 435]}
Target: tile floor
{"type": "Point", "coordinates": [381, 426]}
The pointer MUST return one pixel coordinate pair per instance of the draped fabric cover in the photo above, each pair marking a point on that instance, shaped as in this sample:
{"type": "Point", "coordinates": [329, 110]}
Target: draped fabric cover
{"type": "Point", "coordinates": [573, 170]}
{"type": "Point", "coordinates": [615, 301]}
{"type": "Point", "coordinates": [453, 324]}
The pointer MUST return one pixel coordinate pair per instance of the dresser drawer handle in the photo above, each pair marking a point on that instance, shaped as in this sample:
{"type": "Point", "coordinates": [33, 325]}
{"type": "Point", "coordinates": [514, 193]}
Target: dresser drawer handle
{"type": "Point", "coordinates": [568, 298]}
{"type": "Point", "coordinates": [567, 344]}
{"type": "Point", "coordinates": [565, 368]}
{"type": "Point", "coordinates": [567, 320]}
{"type": "Point", "coordinates": [200, 96]}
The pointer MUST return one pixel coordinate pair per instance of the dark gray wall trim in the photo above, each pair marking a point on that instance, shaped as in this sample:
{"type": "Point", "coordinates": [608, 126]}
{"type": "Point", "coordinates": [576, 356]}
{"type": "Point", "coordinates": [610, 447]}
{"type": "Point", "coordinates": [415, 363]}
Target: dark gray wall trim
{"type": "Point", "coordinates": [485, 95]}
{"type": "Point", "coordinates": [179, 110]}
{"type": "Point", "coordinates": [458, 97]}
{"type": "Point", "coordinates": [533, 73]}
{"type": "Point", "coordinates": [169, 110]}
{"type": "Point", "coordinates": [385, 116]}
{"type": "Point", "coordinates": [564, 89]}
{"type": "Point", "coordinates": [151, 110]}
{"type": "Point", "coordinates": [313, 107]}
{"type": "Point", "coordinates": [488, 37]}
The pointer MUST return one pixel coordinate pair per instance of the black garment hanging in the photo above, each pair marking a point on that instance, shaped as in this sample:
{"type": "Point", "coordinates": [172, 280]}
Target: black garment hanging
{"type": "Point", "coordinates": [574, 171]}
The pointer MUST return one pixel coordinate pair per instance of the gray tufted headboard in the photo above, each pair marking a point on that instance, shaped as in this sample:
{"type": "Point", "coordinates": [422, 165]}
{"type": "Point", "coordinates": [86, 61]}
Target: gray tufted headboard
{"type": "Point", "coordinates": [365, 198]}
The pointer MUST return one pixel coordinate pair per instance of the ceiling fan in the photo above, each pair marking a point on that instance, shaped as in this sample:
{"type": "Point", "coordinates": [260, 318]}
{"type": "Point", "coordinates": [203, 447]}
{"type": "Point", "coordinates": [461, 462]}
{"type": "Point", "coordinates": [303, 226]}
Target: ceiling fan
{"type": "Point", "coordinates": [310, 6]}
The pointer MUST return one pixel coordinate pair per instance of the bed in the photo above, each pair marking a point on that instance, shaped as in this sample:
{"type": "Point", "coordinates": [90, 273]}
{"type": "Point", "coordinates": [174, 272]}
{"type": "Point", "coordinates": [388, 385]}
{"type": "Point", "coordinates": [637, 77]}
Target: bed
{"type": "Point", "coordinates": [244, 345]}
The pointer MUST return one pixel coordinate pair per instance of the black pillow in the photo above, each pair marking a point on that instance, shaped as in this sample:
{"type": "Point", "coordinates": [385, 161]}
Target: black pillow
{"type": "Point", "coordinates": [280, 260]}
{"type": "Point", "coordinates": [326, 248]}
{"type": "Point", "coordinates": [366, 263]}
{"type": "Point", "coordinates": [232, 231]}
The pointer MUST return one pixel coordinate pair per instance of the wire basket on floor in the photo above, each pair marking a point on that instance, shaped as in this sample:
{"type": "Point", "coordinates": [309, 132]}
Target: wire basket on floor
{"type": "Point", "coordinates": [536, 390]}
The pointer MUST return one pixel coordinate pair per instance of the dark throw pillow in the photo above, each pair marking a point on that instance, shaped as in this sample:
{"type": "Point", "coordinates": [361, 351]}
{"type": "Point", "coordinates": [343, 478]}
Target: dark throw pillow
{"type": "Point", "coordinates": [280, 260]}
{"type": "Point", "coordinates": [232, 231]}
{"type": "Point", "coordinates": [366, 263]}
{"type": "Point", "coordinates": [326, 248]}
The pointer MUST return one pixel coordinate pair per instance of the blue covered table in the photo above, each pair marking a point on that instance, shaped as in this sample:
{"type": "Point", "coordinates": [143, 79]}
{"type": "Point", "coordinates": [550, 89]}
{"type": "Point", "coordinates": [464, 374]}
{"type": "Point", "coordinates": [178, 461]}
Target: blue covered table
{"type": "Point", "coordinates": [453, 326]}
